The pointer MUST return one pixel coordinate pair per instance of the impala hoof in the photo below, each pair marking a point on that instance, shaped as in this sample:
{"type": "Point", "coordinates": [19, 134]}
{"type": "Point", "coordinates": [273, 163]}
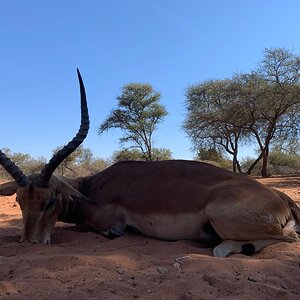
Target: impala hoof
{"type": "Point", "coordinates": [248, 249]}
{"type": "Point", "coordinates": [113, 232]}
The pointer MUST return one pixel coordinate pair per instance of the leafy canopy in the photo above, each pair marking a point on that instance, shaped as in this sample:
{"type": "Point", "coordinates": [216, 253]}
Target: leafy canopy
{"type": "Point", "coordinates": [137, 115]}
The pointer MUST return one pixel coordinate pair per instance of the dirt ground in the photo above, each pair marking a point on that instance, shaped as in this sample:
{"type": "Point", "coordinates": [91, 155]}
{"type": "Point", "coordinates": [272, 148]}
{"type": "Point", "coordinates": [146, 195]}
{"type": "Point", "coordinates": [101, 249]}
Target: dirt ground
{"type": "Point", "coordinates": [84, 265]}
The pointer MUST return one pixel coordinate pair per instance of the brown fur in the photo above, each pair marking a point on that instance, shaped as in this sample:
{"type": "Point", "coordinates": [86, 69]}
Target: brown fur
{"type": "Point", "coordinates": [167, 200]}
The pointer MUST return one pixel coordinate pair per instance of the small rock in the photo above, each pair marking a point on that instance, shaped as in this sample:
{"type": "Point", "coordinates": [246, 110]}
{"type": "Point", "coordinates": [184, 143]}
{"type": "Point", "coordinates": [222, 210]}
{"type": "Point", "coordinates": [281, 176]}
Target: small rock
{"type": "Point", "coordinates": [210, 280]}
{"type": "Point", "coordinates": [251, 279]}
{"type": "Point", "coordinates": [120, 271]}
{"type": "Point", "coordinates": [162, 270]}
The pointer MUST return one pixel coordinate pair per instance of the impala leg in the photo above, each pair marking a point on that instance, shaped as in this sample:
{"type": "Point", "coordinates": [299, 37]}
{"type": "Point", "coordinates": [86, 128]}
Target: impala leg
{"type": "Point", "coordinates": [113, 232]}
{"type": "Point", "coordinates": [108, 221]}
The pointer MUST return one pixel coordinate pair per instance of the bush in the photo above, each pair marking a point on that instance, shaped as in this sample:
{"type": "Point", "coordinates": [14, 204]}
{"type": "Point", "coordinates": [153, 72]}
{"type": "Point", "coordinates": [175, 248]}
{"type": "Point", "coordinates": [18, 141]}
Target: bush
{"type": "Point", "coordinates": [279, 163]}
{"type": "Point", "coordinates": [135, 154]}
{"type": "Point", "coordinates": [25, 162]}
{"type": "Point", "coordinates": [80, 163]}
{"type": "Point", "coordinates": [214, 157]}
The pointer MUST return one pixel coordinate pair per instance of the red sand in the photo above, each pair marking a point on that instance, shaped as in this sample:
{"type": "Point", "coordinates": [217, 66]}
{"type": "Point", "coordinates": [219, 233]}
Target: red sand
{"type": "Point", "coordinates": [84, 265]}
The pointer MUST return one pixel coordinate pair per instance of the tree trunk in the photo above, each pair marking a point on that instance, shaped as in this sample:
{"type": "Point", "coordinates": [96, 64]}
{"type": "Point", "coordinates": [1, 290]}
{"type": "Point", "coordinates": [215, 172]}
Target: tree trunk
{"type": "Point", "coordinates": [265, 155]}
{"type": "Point", "coordinates": [149, 153]}
{"type": "Point", "coordinates": [239, 166]}
{"type": "Point", "coordinates": [234, 164]}
{"type": "Point", "coordinates": [254, 164]}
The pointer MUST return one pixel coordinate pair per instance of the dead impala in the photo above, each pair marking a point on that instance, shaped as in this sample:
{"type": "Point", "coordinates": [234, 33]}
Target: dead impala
{"type": "Point", "coordinates": [169, 200]}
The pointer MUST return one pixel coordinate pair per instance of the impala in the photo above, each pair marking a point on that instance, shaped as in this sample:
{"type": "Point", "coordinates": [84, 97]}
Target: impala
{"type": "Point", "coordinates": [169, 200]}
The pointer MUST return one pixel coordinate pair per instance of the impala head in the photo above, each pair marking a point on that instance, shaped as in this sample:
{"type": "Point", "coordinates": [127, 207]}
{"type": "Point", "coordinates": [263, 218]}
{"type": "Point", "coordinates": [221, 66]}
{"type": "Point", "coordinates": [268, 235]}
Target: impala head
{"type": "Point", "coordinates": [41, 196]}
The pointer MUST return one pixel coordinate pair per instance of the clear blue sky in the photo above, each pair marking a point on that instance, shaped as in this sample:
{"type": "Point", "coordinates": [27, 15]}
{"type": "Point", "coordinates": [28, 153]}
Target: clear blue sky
{"type": "Point", "coordinates": [170, 44]}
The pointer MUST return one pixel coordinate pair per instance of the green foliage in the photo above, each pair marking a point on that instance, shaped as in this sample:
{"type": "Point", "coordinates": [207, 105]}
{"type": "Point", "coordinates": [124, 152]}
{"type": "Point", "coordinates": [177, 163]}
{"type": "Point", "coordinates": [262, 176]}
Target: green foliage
{"type": "Point", "coordinates": [209, 154]}
{"type": "Point", "coordinates": [271, 95]}
{"type": "Point", "coordinates": [247, 162]}
{"type": "Point", "coordinates": [80, 163]}
{"type": "Point", "coordinates": [127, 154]}
{"type": "Point", "coordinates": [262, 106]}
{"type": "Point", "coordinates": [137, 115]}
{"type": "Point", "coordinates": [279, 163]}
{"type": "Point", "coordinates": [94, 166]}
{"type": "Point", "coordinates": [27, 163]}
{"type": "Point", "coordinates": [215, 117]}
{"type": "Point", "coordinates": [284, 163]}
{"type": "Point", "coordinates": [135, 154]}
{"type": "Point", "coordinates": [213, 156]}
{"type": "Point", "coordinates": [161, 154]}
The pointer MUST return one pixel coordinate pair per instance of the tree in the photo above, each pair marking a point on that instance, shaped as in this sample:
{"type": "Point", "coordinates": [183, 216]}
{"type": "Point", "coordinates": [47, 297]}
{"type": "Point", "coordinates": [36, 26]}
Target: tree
{"type": "Point", "coordinates": [135, 154]}
{"type": "Point", "coordinates": [271, 97]}
{"type": "Point", "coordinates": [213, 156]}
{"type": "Point", "coordinates": [279, 163]}
{"type": "Point", "coordinates": [137, 115]}
{"type": "Point", "coordinates": [161, 154]}
{"type": "Point", "coordinates": [215, 117]}
{"type": "Point", "coordinates": [262, 106]}
{"type": "Point", "coordinates": [68, 164]}
{"type": "Point", "coordinates": [209, 154]}
{"type": "Point", "coordinates": [80, 163]}
{"type": "Point", "coordinates": [126, 155]}
{"type": "Point", "coordinates": [27, 163]}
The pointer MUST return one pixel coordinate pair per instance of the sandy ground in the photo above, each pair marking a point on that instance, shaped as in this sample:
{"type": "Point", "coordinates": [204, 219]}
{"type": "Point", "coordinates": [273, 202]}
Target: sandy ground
{"type": "Point", "coordinates": [84, 265]}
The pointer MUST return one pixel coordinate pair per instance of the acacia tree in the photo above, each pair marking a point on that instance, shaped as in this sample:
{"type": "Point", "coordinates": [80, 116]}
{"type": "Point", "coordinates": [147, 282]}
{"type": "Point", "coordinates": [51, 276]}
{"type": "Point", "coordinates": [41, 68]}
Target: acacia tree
{"type": "Point", "coordinates": [271, 97]}
{"type": "Point", "coordinates": [262, 106]}
{"type": "Point", "coordinates": [137, 115]}
{"type": "Point", "coordinates": [215, 117]}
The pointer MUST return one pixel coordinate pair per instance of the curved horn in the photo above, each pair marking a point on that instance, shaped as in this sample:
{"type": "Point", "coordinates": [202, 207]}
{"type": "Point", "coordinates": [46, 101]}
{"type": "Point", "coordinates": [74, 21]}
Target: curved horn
{"type": "Point", "coordinates": [54, 162]}
{"type": "Point", "coordinates": [13, 170]}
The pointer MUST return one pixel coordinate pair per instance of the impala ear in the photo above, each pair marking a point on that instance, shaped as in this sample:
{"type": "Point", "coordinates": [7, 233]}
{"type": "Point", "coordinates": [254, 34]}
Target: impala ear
{"type": "Point", "coordinates": [8, 188]}
{"type": "Point", "coordinates": [70, 193]}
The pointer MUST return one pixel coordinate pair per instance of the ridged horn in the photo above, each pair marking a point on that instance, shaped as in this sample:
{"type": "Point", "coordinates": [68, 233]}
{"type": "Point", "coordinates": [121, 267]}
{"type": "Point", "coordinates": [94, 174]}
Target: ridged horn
{"type": "Point", "coordinates": [13, 170]}
{"type": "Point", "coordinates": [57, 158]}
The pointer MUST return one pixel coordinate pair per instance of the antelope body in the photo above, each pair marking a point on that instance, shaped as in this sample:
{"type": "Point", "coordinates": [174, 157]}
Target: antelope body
{"type": "Point", "coordinates": [168, 200]}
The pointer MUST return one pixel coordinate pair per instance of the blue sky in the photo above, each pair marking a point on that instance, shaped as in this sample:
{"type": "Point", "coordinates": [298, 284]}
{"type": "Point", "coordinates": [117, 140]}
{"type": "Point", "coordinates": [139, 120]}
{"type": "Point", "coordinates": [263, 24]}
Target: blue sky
{"type": "Point", "coordinates": [170, 44]}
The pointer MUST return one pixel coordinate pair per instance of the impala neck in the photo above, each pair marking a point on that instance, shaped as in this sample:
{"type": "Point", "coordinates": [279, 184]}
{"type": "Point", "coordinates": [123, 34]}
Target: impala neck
{"type": "Point", "coordinates": [73, 211]}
